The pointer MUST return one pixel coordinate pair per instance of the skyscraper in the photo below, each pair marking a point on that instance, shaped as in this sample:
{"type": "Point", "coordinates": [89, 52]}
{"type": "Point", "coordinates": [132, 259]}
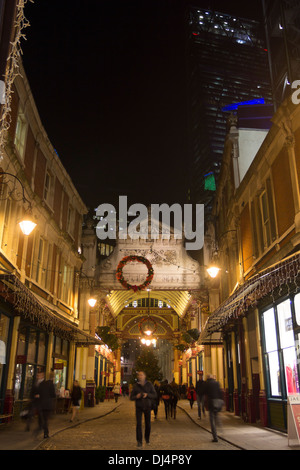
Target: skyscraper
{"type": "Point", "coordinates": [282, 27]}
{"type": "Point", "coordinates": [227, 68]}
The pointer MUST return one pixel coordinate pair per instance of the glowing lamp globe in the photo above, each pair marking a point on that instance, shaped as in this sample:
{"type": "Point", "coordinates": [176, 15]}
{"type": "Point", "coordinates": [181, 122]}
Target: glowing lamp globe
{"type": "Point", "coordinates": [92, 302]}
{"type": "Point", "coordinates": [27, 226]}
{"type": "Point", "coordinates": [213, 271]}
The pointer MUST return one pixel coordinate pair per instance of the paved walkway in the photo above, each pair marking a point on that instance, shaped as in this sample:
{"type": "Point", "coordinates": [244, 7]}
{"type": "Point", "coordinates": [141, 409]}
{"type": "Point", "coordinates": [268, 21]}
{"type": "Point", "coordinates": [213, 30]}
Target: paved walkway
{"type": "Point", "coordinates": [234, 431]}
{"type": "Point", "coordinates": [14, 437]}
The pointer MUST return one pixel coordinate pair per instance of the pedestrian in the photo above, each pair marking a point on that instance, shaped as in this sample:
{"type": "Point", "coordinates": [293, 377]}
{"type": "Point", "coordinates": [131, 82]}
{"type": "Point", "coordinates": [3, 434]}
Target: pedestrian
{"type": "Point", "coordinates": [143, 393]}
{"type": "Point", "coordinates": [46, 399]}
{"type": "Point", "coordinates": [75, 399]}
{"type": "Point", "coordinates": [175, 395]}
{"type": "Point", "coordinates": [191, 395]}
{"type": "Point", "coordinates": [215, 402]}
{"type": "Point", "coordinates": [157, 399]}
{"type": "Point", "coordinates": [34, 404]}
{"type": "Point", "coordinates": [200, 387]}
{"type": "Point", "coordinates": [116, 392]}
{"type": "Point", "coordinates": [165, 394]}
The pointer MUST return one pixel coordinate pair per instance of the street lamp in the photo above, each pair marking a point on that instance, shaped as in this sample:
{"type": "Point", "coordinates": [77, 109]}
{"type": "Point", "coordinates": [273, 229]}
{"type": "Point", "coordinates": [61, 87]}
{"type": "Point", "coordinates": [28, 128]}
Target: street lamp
{"type": "Point", "coordinates": [27, 225]}
{"type": "Point", "coordinates": [213, 271]}
{"type": "Point", "coordinates": [92, 302]}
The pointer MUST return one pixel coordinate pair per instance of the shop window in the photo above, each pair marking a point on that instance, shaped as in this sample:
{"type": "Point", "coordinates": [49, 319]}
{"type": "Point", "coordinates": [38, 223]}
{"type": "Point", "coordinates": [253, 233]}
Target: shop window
{"type": "Point", "coordinates": [280, 350]}
{"type": "Point", "coordinates": [297, 308]}
{"type": "Point", "coordinates": [32, 342]}
{"type": "Point", "coordinates": [42, 349]}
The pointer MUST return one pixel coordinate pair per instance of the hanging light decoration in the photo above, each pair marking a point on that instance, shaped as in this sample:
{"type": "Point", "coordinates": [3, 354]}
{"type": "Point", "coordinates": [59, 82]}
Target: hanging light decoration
{"type": "Point", "coordinates": [148, 327]}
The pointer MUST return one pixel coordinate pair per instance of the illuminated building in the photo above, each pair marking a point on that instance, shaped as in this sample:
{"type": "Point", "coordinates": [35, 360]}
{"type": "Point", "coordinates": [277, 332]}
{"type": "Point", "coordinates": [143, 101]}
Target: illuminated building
{"type": "Point", "coordinates": [282, 27]}
{"type": "Point", "coordinates": [227, 68]}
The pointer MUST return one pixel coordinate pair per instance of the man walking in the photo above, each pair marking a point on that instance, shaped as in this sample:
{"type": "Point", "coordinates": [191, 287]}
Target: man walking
{"type": "Point", "coordinates": [214, 396]}
{"type": "Point", "coordinates": [200, 386]}
{"type": "Point", "coordinates": [46, 396]}
{"type": "Point", "coordinates": [143, 393]}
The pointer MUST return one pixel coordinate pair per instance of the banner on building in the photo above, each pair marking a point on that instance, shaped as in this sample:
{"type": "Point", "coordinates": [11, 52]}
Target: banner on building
{"type": "Point", "coordinates": [293, 420]}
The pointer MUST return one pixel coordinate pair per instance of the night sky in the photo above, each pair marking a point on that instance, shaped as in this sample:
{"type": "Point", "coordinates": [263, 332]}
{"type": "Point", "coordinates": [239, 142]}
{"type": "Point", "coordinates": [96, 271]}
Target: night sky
{"type": "Point", "coordinates": [109, 81]}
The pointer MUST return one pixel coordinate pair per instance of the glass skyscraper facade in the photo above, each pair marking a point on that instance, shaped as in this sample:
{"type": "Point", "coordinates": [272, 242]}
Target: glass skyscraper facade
{"type": "Point", "coordinates": [227, 66]}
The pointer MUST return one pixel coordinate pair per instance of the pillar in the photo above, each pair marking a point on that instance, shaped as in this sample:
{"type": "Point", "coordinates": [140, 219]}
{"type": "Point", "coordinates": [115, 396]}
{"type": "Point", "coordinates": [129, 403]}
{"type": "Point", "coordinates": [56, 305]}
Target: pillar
{"type": "Point", "coordinates": [226, 382]}
{"type": "Point", "coordinates": [250, 399]}
{"type": "Point", "coordinates": [9, 394]}
{"type": "Point", "coordinates": [263, 408]}
{"type": "Point", "coordinates": [118, 366]}
{"type": "Point", "coordinates": [49, 355]}
{"type": "Point", "coordinates": [214, 365]}
{"type": "Point", "coordinates": [70, 378]}
{"type": "Point", "coordinates": [184, 369]}
{"type": "Point", "coordinates": [235, 381]}
{"type": "Point", "coordinates": [176, 365]}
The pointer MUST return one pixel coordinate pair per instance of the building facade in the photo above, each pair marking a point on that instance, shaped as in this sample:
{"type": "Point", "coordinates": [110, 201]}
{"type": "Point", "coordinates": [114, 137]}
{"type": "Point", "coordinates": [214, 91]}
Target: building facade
{"type": "Point", "coordinates": [39, 273]}
{"type": "Point", "coordinates": [227, 64]}
{"type": "Point", "coordinates": [254, 241]}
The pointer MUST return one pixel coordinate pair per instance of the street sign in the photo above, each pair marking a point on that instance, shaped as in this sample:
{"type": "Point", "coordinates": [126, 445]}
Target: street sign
{"type": "Point", "coordinates": [294, 420]}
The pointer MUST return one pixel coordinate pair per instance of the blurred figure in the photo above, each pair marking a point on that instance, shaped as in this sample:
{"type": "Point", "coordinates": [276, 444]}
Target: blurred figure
{"type": "Point", "coordinates": [215, 402]}
{"type": "Point", "coordinates": [175, 395]}
{"type": "Point", "coordinates": [75, 399]}
{"type": "Point", "coordinates": [143, 393]}
{"type": "Point", "coordinates": [157, 399]}
{"type": "Point", "coordinates": [116, 392]}
{"type": "Point", "coordinates": [191, 395]}
{"type": "Point", "coordinates": [165, 394]}
{"type": "Point", "coordinates": [34, 405]}
{"type": "Point", "coordinates": [46, 396]}
{"type": "Point", "coordinates": [200, 388]}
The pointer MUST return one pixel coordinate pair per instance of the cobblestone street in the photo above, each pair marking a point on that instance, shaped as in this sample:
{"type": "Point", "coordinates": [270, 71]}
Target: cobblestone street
{"type": "Point", "coordinates": [116, 431]}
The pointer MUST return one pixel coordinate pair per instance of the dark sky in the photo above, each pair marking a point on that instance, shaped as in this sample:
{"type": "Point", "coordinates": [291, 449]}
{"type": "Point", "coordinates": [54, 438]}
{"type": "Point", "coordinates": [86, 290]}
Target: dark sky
{"type": "Point", "coordinates": [108, 78]}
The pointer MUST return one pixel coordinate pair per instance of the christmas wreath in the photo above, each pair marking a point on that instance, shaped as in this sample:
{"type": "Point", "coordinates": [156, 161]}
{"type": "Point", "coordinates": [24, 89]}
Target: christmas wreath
{"type": "Point", "coordinates": [140, 259]}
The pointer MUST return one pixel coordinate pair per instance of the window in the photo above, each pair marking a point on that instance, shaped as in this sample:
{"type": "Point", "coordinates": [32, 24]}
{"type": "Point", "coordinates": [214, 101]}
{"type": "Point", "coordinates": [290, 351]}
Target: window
{"type": "Point", "coordinates": [265, 219]}
{"type": "Point", "coordinates": [48, 187]}
{"type": "Point", "coordinates": [70, 220]}
{"type": "Point", "coordinates": [21, 132]}
{"type": "Point", "coordinates": [280, 350]}
{"type": "Point", "coordinates": [39, 260]}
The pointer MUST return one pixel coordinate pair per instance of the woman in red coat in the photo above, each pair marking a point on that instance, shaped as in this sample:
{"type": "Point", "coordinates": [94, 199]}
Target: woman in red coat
{"type": "Point", "coordinates": [191, 395]}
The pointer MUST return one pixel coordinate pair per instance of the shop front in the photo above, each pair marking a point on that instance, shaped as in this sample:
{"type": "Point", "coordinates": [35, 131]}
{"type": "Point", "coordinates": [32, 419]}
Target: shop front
{"type": "Point", "coordinates": [5, 341]}
{"type": "Point", "coordinates": [31, 356]}
{"type": "Point", "coordinates": [280, 326]}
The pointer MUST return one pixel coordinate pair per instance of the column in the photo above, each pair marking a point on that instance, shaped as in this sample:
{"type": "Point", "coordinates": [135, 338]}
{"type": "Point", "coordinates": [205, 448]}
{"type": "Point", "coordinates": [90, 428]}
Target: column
{"type": "Point", "coordinates": [250, 400]}
{"type": "Point", "coordinates": [226, 386]}
{"type": "Point", "coordinates": [49, 355]}
{"type": "Point", "coordinates": [194, 370]}
{"type": "Point", "coordinates": [90, 373]}
{"type": "Point", "coordinates": [184, 369]}
{"type": "Point", "coordinates": [214, 365]}
{"type": "Point", "coordinates": [176, 365]}
{"type": "Point", "coordinates": [9, 394]}
{"type": "Point", "coordinates": [71, 362]}
{"type": "Point", "coordinates": [118, 366]}
{"type": "Point", "coordinates": [235, 381]}
{"type": "Point", "coordinates": [263, 405]}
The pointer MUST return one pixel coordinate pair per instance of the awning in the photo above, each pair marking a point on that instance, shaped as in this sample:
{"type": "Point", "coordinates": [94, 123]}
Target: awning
{"type": "Point", "coordinates": [285, 273]}
{"type": "Point", "coordinates": [30, 307]}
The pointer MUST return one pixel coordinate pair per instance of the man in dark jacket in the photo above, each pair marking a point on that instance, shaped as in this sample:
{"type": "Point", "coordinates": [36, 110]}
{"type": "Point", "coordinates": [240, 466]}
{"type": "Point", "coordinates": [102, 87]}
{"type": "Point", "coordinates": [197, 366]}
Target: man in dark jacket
{"type": "Point", "coordinates": [46, 396]}
{"type": "Point", "coordinates": [214, 397]}
{"type": "Point", "coordinates": [143, 393]}
{"type": "Point", "coordinates": [200, 387]}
